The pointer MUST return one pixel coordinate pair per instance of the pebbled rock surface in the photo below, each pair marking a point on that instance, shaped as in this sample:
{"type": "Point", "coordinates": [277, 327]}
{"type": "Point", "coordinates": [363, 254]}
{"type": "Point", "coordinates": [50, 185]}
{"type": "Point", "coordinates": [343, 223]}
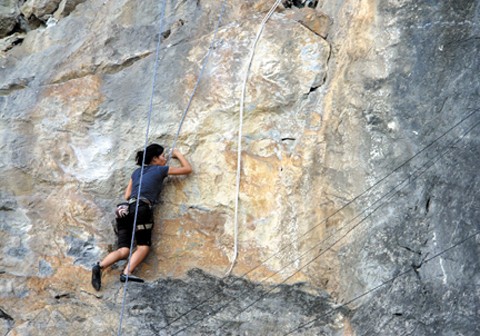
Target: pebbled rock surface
{"type": "Point", "coordinates": [359, 187]}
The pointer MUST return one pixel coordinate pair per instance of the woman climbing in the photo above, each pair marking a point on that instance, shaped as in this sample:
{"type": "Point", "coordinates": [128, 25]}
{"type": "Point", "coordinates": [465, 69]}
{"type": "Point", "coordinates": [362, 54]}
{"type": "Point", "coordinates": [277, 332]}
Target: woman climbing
{"type": "Point", "coordinates": [154, 172]}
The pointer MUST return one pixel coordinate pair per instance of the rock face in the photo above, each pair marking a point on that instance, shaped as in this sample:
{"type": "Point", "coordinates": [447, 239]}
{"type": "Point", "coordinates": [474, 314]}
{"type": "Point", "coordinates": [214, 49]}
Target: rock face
{"type": "Point", "coordinates": [359, 189]}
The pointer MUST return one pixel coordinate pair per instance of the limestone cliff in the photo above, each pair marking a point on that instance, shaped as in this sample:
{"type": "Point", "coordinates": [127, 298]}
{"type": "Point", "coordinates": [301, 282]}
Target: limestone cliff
{"type": "Point", "coordinates": [359, 191]}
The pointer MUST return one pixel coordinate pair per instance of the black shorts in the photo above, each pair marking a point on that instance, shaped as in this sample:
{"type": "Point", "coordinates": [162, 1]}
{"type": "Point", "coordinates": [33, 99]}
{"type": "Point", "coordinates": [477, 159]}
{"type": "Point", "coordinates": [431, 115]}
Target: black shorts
{"type": "Point", "coordinates": [143, 236]}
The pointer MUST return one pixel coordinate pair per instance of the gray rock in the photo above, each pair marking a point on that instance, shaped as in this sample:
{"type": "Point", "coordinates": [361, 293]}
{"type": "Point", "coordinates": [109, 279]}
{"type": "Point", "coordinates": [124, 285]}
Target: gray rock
{"type": "Point", "coordinates": [9, 13]}
{"type": "Point", "coordinates": [6, 322]}
{"type": "Point", "coordinates": [66, 7]}
{"type": "Point", "coordinates": [83, 252]}
{"type": "Point", "coordinates": [45, 269]}
{"type": "Point", "coordinates": [41, 9]}
{"type": "Point", "coordinates": [205, 305]}
{"type": "Point", "coordinates": [426, 103]}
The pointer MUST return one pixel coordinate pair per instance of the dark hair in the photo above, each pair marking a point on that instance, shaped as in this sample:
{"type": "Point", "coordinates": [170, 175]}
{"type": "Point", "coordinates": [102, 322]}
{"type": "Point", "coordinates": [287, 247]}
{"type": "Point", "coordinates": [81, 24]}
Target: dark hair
{"type": "Point", "coordinates": [152, 151]}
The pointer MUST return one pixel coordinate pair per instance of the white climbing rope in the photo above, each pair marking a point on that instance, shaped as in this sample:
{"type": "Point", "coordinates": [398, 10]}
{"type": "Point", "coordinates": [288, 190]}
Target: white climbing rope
{"type": "Point", "coordinates": [154, 80]}
{"type": "Point", "coordinates": [239, 151]}
{"type": "Point", "coordinates": [205, 61]}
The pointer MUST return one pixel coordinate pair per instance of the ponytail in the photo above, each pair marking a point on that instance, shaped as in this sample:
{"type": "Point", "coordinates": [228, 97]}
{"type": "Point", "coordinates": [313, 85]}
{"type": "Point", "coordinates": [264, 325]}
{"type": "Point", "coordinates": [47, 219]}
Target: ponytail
{"type": "Point", "coordinates": [139, 158]}
{"type": "Point", "coordinates": [152, 151]}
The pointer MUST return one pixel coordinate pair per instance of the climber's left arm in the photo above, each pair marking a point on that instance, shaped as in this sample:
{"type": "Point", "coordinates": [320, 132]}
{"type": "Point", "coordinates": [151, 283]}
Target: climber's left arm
{"type": "Point", "coordinates": [128, 190]}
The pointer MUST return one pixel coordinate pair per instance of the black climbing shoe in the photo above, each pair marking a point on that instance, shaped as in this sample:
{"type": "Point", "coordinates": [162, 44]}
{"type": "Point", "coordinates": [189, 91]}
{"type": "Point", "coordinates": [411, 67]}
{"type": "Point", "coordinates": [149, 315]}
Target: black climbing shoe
{"type": "Point", "coordinates": [133, 278]}
{"type": "Point", "coordinates": [97, 276]}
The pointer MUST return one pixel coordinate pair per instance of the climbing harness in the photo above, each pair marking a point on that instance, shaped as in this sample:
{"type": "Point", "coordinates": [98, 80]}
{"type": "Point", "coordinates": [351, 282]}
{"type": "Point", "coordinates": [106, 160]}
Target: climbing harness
{"type": "Point", "coordinates": [239, 151]}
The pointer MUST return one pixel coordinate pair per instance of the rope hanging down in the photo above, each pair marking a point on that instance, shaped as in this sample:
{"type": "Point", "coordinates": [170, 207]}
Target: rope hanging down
{"type": "Point", "coordinates": [207, 56]}
{"type": "Point", "coordinates": [239, 151]}
{"type": "Point", "coordinates": [149, 117]}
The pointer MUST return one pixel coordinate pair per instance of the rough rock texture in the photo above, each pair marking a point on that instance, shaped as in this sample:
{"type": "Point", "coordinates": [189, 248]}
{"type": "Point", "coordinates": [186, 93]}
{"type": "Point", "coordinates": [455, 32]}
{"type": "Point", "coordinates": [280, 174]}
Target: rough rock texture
{"type": "Point", "coordinates": [9, 13]}
{"type": "Point", "coordinates": [167, 307]}
{"type": "Point", "coordinates": [411, 88]}
{"type": "Point", "coordinates": [359, 174]}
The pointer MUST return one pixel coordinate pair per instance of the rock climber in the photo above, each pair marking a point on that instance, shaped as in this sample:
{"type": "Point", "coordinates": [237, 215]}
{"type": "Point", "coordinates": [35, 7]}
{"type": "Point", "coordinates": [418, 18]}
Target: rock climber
{"type": "Point", "coordinates": [155, 171]}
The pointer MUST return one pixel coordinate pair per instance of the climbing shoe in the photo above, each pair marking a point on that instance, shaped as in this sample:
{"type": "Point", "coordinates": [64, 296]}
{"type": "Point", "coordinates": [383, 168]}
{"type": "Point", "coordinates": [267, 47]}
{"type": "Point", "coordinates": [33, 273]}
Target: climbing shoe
{"type": "Point", "coordinates": [97, 276]}
{"type": "Point", "coordinates": [133, 278]}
